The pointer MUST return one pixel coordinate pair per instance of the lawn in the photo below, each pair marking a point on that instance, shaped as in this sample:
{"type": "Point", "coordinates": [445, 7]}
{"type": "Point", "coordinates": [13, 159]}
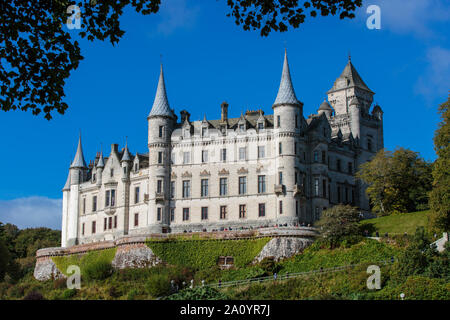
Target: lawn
{"type": "Point", "coordinates": [399, 223]}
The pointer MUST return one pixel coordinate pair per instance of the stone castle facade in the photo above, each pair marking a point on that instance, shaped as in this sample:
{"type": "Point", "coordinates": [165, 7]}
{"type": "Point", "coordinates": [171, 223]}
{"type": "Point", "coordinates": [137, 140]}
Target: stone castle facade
{"type": "Point", "coordinates": [255, 170]}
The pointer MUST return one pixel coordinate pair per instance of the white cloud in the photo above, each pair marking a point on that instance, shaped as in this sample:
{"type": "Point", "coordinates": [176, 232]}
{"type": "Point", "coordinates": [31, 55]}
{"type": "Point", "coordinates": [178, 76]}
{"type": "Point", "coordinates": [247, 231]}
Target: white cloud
{"type": "Point", "coordinates": [32, 212]}
{"type": "Point", "coordinates": [412, 16]}
{"type": "Point", "coordinates": [435, 80]}
{"type": "Point", "coordinates": [176, 14]}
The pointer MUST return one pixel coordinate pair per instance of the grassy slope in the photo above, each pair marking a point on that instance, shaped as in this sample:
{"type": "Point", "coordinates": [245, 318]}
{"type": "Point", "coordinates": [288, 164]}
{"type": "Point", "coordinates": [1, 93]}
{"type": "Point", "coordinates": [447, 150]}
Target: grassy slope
{"type": "Point", "coordinates": [399, 223]}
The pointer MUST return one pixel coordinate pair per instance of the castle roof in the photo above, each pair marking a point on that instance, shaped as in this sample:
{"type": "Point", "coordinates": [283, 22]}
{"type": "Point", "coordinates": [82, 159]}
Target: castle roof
{"type": "Point", "coordinates": [126, 154]}
{"type": "Point", "coordinates": [101, 161]}
{"type": "Point", "coordinates": [325, 105]}
{"type": "Point", "coordinates": [67, 185]}
{"type": "Point", "coordinates": [351, 77]}
{"type": "Point", "coordinates": [286, 93]}
{"type": "Point", "coordinates": [161, 103]}
{"type": "Point", "coordinates": [78, 161]}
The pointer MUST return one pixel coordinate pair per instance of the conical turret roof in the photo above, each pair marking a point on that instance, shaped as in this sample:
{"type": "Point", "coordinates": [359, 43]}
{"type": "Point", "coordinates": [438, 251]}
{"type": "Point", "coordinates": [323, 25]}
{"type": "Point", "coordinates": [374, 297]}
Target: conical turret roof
{"type": "Point", "coordinates": [352, 77]}
{"type": "Point", "coordinates": [161, 103]}
{"type": "Point", "coordinates": [67, 185]}
{"type": "Point", "coordinates": [286, 93]}
{"type": "Point", "coordinates": [78, 161]}
{"type": "Point", "coordinates": [325, 105]}
{"type": "Point", "coordinates": [126, 154]}
{"type": "Point", "coordinates": [101, 161]}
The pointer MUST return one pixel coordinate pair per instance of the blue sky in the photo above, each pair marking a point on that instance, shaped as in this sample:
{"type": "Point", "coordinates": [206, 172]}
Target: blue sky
{"type": "Point", "coordinates": [208, 59]}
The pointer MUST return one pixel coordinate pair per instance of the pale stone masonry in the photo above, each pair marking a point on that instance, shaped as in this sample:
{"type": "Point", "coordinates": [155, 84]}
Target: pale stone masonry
{"type": "Point", "coordinates": [252, 171]}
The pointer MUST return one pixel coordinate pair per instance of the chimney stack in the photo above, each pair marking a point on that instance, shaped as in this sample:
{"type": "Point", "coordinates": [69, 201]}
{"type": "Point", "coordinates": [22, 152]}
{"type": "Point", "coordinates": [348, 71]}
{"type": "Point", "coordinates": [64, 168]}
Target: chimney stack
{"type": "Point", "coordinates": [224, 107]}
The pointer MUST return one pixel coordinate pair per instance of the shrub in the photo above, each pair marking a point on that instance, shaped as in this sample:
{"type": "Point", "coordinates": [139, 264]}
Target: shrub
{"type": "Point", "coordinates": [98, 270]}
{"type": "Point", "coordinates": [198, 293]}
{"type": "Point", "coordinates": [34, 295]}
{"type": "Point", "coordinates": [132, 294]}
{"type": "Point", "coordinates": [158, 285]}
{"type": "Point", "coordinates": [269, 265]}
{"type": "Point", "coordinates": [69, 293]}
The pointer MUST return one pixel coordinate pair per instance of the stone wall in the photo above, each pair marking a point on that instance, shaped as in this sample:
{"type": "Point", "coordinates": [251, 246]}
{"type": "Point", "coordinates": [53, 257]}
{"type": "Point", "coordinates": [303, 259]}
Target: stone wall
{"type": "Point", "coordinates": [133, 252]}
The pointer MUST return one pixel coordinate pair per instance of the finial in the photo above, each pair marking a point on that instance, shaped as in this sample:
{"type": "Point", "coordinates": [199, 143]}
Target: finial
{"type": "Point", "coordinates": [349, 56]}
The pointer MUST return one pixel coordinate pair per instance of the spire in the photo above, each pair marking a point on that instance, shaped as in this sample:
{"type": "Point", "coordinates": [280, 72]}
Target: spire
{"type": "Point", "coordinates": [286, 94]}
{"type": "Point", "coordinates": [325, 105]}
{"type": "Point", "coordinates": [101, 161]}
{"type": "Point", "coordinates": [350, 78]}
{"type": "Point", "coordinates": [161, 103]}
{"type": "Point", "coordinates": [126, 154]}
{"type": "Point", "coordinates": [78, 161]}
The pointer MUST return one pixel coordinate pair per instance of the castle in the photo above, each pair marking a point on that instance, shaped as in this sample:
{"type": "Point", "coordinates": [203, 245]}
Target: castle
{"type": "Point", "coordinates": [255, 170]}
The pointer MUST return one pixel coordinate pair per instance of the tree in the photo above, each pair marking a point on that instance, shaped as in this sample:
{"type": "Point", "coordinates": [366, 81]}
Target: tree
{"type": "Point", "coordinates": [338, 222]}
{"type": "Point", "coordinates": [5, 259]}
{"type": "Point", "coordinates": [38, 54]}
{"type": "Point", "coordinates": [397, 181]}
{"type": "Point", "coordinates": [440, 194]}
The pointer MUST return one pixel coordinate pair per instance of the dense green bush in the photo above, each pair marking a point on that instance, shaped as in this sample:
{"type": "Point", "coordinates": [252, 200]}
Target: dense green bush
{"type": "Point", "coordinates": [69, 293]}
{"type": "Point", "coordinates": [97, 270]}
{"type": "Point", "coordinates": [158, 285]}
{"type": "Point", "coordinates": [202, 254]}
{"type": "Point", "coordinates": [198, 293]}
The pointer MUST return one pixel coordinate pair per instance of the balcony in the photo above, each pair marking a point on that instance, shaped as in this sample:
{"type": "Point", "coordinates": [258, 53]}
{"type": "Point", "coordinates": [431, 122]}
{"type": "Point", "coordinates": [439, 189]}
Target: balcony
{"type": "Point", "coordinates": [299, 190]}
{"type": "Point", "coordinates": [159, 196]}
{"type": "Point", "coordinates": [278, 189]}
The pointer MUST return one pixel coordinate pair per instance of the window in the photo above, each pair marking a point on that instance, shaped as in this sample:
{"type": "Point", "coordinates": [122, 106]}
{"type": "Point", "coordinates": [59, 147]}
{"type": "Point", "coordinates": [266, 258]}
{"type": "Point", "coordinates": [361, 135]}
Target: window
{"type": "Point", "coordinates": [172, 158]}
{"type": "Point", "coordinates": [350, 168]}
{"type": "Point", "coordinates": [280, 148]}
{"type": "Point", "coordinates": [204, 156]}
{"type": "Point", "coordinates": [280, 177]}
{"type": "Point", "coordinates": [161, 131]}
{"type": "Point", "coordinates": [296, 208]}
{"type": "Point", "coordinates": [223, 186]}
{"type": "Point", "coordinates": [242, 210]}
{"type": "Point", "coordinates": [204, 213]}
{"type": "Point", "coordinates": [339, 194]}
{"type": "Point", "coordinates": [185, 214]}
{"type": "Point", "coordinates": [110, 223]}
{"type": "Point", "coordinates": [324, 157]}
{"type": "Point", "coordinates": [111, 173]}
{"type": "Point", "coordinates": [296, 177]}
{"type": "Point", "coordinates": [82, 229]}
{"type": "Point", "coordinates": [136, 195]}
{"type": "Point", "coordinates": [261, 152]}
{"type": "Point", "coordinates": [186, 189]}
{"type": "Point", "coordinates": [317, 213]}
{"type": "Point", "coordinates": [281, 206]}
{"type": "Point", "coordinates": [296, 121]}
{"type": "Point", "coordinates": [105, 221]}
{"type": "Point", "coordinates": [346, 195]}
{"type": "Point", "coordinates": [261, 184]}
{"type": "Point", "coordinates": [160, 156]}
{"type": "Point", "coordinates": [172, 214]}
{"type": "Point", "coordinates": [136, 167]}
{"type": "Point", "coordinates": [223, 155]}
{"type": "Point", "coordinates": [316, 156]}
{"type": "Point", "coordinates": [324, 188]}
{"type": "Point", "coordinates": [115, 222]}
{"type": "Point", "coordinates": [84, 205]}
{"type": "Point", "coordinates": [242, 185]}
{"type": "Point", "coordinates": [125, 170]}
{"type": "Point", "coordinates": [136, 219]}
{"type": "Point", "coordinates": [278, 122]}
{"type": "Point", "coordinates": [316, 187]}
{"type": "Point", "coordinates": [242, 127]}
{"type": "Point", "coordinates": [262, 209]}
{"type": "Point", "coordinates": [94, 177]}
{"type": "Point", "coordinates": [223, 212]}
{"type": "Point", "coordinates": [186, 157]}
{"type": "Point", "coordinates": [110, 198]}
{"type": "Point", "coordinates": [369, 144]}
{"type": "Point", "coordinates": [242, 153]}
{"type": "Point", "coordinates": [295, 148]}
{"type": "Point", "coordinates": [159, 186]}
{"type": "Point", "coordinates": [338, 165]}
{"type": "Point", "coordinates": [93, 227]}
{"type": "Point", "coordinates": [260, 125]}
{"type": "Point", "coordinates": [204, 187]}
{"type": "Point", "coordinates": [158, 214]}
{"type": "Point", "coordinates": [172, 189]}
{"type": "Point", "coordinates": [204, 131]}
{"type": "Point", "coordinates": [94, 203]}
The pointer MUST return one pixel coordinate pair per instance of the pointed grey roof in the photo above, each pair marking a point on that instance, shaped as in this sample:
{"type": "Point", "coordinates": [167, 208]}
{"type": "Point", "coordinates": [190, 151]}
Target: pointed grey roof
{"type": "Point", "coordinates": [101, 161]}
{"type": "Point", "coordinates": [352, 77]}
{"type": "Point", "coordinates": [161, 103]}
{"type": "Point", "coordinates": [286, 93]}
{"type": "Point", "coordinates": [78, 161]}
{"type": "Point", "coordinates": [67, 185]}
{"type": "Point", "coordinates": [126, 154]}
{"type": "Point", "coordinates": [325, 105]}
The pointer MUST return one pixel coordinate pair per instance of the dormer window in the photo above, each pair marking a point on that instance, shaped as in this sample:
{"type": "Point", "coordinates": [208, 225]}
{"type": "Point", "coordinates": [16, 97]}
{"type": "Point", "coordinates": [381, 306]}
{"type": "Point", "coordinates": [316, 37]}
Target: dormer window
{"type": "Point", "coordinates": [136, 167]}
{"type": "Point", "coordinates": [94, 176]}
{"type": "Point", "coordinates": [223, 130]}
{"type": "Point", "coordinates": [260, 125]}
{"type": "Point", "coordinates": [204, 131]}
{"type": "Point", "coordinates": [241, 127]}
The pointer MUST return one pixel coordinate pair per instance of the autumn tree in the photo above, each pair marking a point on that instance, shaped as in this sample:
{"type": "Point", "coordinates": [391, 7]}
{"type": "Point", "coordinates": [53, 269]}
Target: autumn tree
{"type": "Point", "coordinates": [397, 181]}
{"type": "Point", "coordinates": [38, 52]}
{"type": "Point", "coordinates": [440, 194]}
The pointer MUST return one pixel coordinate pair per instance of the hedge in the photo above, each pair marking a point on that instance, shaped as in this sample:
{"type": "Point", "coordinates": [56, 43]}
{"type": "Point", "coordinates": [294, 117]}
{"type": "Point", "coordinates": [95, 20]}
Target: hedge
{"type": "Point", "coordinates": [202, 254]}
{"type": "Point", "coordinates": [84, 260]}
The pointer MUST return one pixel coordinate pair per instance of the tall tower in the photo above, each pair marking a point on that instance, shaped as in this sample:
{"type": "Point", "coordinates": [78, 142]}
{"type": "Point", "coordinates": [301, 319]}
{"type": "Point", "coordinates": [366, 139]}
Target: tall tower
{"type": "Point", "coordinates": [77, 175]}
{"type": "Point", "coordinates": [288, 112]}
{"type": "Point", "coordinates": [161, 122]}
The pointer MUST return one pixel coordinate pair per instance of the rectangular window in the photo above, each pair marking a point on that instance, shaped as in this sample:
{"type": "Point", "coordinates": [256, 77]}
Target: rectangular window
{"type": "Point", "coordinates": [84, 205]}
{"type": "Point", "coordinates": [242, 185]}
{"type": "Point", "coordinates": [105, 223]}
{"type": "Point", "coordinates": [241, 127]}
{"type": "Point", "coordinates": [186, 157]}
{"type": "Point", "coordinates": [296, 177]}
{"type": "Point", "coordinates": [242, 153]}
{"type": "Point", "coordinates": [280, 177]}
{"type": "Point", "coordinates": [172, 214]}
{"type": "Point", "coordinates": [204, 213]}
{"type": "Point", "coordinates": [110, 223]}
{"type": "Point", "coordinates": [316, 156]}
{"type": "Point", "coordinates": [82, 229]}
{"type": "Point", "coordinates": [204, 187]}
{"type": "Point", "coordinates": [223, 186]}
{"type": "Point", "coordinates": [186, 189]}
{"type": "Point", "coordinates": [324, 157]}
{"type": "Point", "coordinates": [261, 152]}
{"type": "Point", "coordinates": [223, 212]}
{"type": "Point", "coordinates": [296, 121]}
{"type": "Point", "coordinates": [136, 167]}
{"type": "Point", "coordinates": [115, 222]}
{"type": "Point", "coordinates": [242, 211]}
{"type": "Point", "coordinates": [185, 214]}
{"type": "Point", "coordinates": [338, 165]}
{"type": "Point", "coordinates": [324, 188]}
{"type": "Point", "coordinates": [136, 195]}
{"type": "Point", "coordinates": [94, 177]}
{"type": "Point", "coordinates": [339, 194]}
{"type": "Point", "coordinates": [316, 187]}
{"type": "Point", "coordinates": [280, 148]}
{"type": "Point", "coordinates": [296, 208]}
{"type": "Point", "coordinates": [158, 214]}
{"type": "Point", "coordinates": [107, 197]}
{"type": "Point", "coordinates": [158, 186]}
{"type": "Point", "coordinates": [204, 131]}
{"type": "Point", "coordinates": [125, 170]}
{"type": "Point", "coordinates": [172, 189]}
{"type": "Point", "coordinates": [317, 213]}
{"type": "Point", "coordinates": [350, 168]}
{"type": "Point", "coordinates": [111, 172]}
{"type": "Point", "coordinates": [278, 122]}
{"type": "Point", "coordinates": [262, 209]}
{"type": "Point", "coordinates": [295, 148]}
{"type": "Point", "coordinates": [93, 227]}
{"type": "Point", "coordinates": [223, 155]}
{"type": "Point", "coordinates": [346, 195]}
{"type": "Point", "coordinates": [204, 156]}
{"type": "Point", "coordinates": [260, 125]}
{"type": "Point", "coordinates": [113, 198]}
{"type": "Point", "coordinates": [161, 131]}
{"type": "Point", "coordinates": [281, 206]}
{"type": "Point", "coordinates": [261, 184]}
{"type": "Point", "coordinates": [94, 203]}
{"type": "Point", "coordinates": [136, 219]}
{"type": "Point", "coordinates": [160, 156]}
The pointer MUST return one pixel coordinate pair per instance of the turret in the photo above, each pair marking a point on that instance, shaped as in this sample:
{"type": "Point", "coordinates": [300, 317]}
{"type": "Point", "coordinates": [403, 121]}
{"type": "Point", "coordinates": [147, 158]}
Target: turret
{"type": "Point", "coordinates": [99, 169]}
{"type": "Point", "coordinates": [325, 108]}
{"type": "Point", "coordinates": [126, 163]}
{"type": "Point", "coordinates": [78, 168]}
{"type": "Point", "coordinates": [355, 117]}
{"type": "Point", "coordinates": [161, 122]}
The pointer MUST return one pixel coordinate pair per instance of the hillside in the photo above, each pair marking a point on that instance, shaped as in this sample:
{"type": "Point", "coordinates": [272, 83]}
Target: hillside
{"type": "Point", "coordinates": [398, 223]}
